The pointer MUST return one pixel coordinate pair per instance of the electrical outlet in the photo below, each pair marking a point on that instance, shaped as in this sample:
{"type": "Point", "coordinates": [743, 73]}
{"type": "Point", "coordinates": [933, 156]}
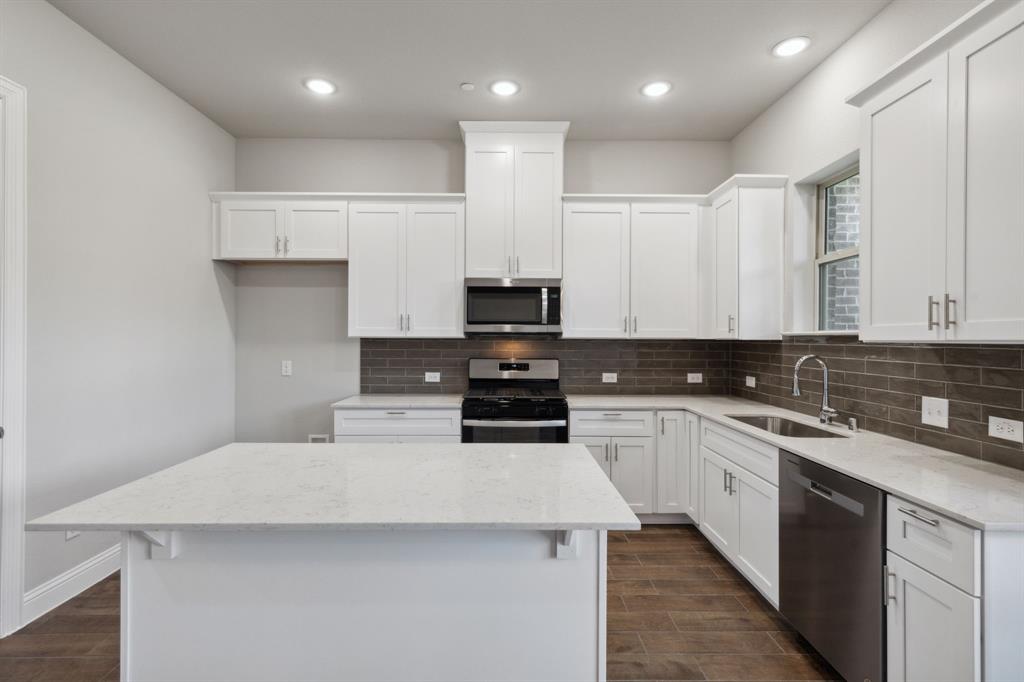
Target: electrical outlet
{"type": "Point", "coordinates": [1009, 429]}
{"type": "Point", "coordinates": [610, 377]}
{"type": "Point", "coordinates": [70, 535]}
{"type": "Point", "coordinates": [695, 378]}
{"type": "Point", "coordinates": [286, 368]}
{"type": "Point", "coordinates": [935, 412]}
{"type": "Point", "coordinates": [432, 377]}
{"type": "Point", "coordinates": [751, 382]}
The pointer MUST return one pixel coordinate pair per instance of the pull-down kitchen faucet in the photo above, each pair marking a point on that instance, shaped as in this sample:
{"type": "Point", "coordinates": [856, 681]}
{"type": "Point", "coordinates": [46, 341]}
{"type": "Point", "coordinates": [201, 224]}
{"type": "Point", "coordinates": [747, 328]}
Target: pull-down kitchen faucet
{"type": "Point", "coordinates": [827, 413]}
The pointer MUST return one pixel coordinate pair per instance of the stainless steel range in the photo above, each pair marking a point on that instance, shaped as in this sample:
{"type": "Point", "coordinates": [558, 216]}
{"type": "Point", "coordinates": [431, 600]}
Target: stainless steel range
{"type": "Point", "coordinates": [514, 401]}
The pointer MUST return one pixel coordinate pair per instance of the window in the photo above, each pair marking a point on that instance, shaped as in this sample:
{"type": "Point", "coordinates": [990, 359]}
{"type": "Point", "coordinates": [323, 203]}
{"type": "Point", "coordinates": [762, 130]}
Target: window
{"type": "Point", "coordinates": [838, 261]}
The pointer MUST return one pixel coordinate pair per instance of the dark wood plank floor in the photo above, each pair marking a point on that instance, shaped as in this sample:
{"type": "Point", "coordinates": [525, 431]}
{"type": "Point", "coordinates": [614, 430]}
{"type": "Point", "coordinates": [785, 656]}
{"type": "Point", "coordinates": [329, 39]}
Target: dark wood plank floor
{"type": "Point", "coordinates": [676, 611]}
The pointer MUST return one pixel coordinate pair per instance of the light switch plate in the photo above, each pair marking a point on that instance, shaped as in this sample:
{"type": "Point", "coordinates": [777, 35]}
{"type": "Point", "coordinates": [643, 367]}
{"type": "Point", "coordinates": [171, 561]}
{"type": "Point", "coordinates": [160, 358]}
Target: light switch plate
{"type": "Point", "coordinates": [286, 368]}
{"type": "Point", "coordinates": [935, 412]}
{"type": "Point", "coordinates": [751, 382]}
{"type": "Point", "coordinates": [432, 377]}
{"type": "Point", "coordinates": [695, 378]}
{"type": "Point", "coordinates": [1008, 429]}
{"type": "Point", "coordinates": [610, 377]}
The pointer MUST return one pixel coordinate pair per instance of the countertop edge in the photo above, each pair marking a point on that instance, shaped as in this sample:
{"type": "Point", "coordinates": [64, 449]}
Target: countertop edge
{"type": "Point", "coordinates": [440, 525]}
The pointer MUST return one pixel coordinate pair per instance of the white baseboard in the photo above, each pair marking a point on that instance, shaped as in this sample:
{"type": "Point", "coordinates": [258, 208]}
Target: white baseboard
{"type": "Point", "coordinates": [72, 582]}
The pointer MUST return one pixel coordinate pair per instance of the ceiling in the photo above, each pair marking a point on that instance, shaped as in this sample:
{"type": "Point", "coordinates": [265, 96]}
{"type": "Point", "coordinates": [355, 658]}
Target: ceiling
{"type": "Point", "coordinates": [398, 64]}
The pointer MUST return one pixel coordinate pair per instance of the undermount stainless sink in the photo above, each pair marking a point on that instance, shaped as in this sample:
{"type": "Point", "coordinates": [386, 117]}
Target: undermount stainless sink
{"type": "Point", "coordinates": [781, 426]}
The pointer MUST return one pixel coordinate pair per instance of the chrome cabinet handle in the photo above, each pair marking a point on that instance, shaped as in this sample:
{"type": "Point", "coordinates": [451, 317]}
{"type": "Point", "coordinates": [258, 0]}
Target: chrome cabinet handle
{"type": "Point", "coordinates": [732, 489]}
{"type": "Point", "coordinates": [731, 318]}
{"type": "Point", "coordinates": [606, 456]}
{"type": "Point", "coordinates": [663, 426]}
{"type": "Point", "coordinates": [401, 322]}
{"type": "Point", "coordinates": [725, 481]}
{"type": "Point", "coordinates": [510, 265]}
{"type": "Point", "coordinates": [625, 323]}
{"type": "Point", "coordinates": [396, 412]}
{"type": "Point", "coordinates": [518, 269]}
{"type": "Point", "coordinates": [287, 244]}
{"type": "Point", "coordinates": [611, 414]}
{"type": "Point", "coordinates": [913, 514]}
{"type": "Point", "coordinates": [277, 245]}
{"type": "Point", "coordinates": [408, 322]}
{"type": "Point", "coordinates": [634, 324]}
{"type": "Point", "coordinates": [932, 305]}
{"type": "Point", "coordinates": [616, 452]}
{"type": "Point", "coordinates": [947, 303]}
{"type": "Point", "coordinates": [888, 594]}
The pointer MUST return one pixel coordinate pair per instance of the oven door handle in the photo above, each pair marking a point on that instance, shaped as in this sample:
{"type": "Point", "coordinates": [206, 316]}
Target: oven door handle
{"type": "Point", "coordinates": [513, 423]}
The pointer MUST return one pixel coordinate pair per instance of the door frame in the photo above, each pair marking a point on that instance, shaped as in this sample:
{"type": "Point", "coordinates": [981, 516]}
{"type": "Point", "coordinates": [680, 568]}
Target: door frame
{"type": "Point", "coordinates": [13, 347]}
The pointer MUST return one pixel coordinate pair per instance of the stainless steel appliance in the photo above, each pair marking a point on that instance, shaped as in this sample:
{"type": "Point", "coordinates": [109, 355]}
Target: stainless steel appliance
{"type": "Point", "coordinates": [831, 572]}
{"type": "Point", "coordinates": [514, 401]}
{"type": "Point", "coordinates": [513, 306]}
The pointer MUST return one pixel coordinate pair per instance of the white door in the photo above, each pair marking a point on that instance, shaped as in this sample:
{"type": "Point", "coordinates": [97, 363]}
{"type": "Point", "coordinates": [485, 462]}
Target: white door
{"type": "Point", "coordinates": [985, 259]}
{"type": "Point", "coordinates": [725, 265]}
{"type": "Point", "coordinates": [316, 230]}
{"type": "Point", "coordinates": [757, 536]}
{"type": "Point", "coordinates": [633, 471]}
{"type": "Point", "coordinates": [933, 630]}
{"type": "Point", "coordinates": [664, 271]}
{"type": "Point", "coordinates": [600, 449]}
{"type": "Point", "coordinates": [434, 266]}
{"type": "Point", "coordinates": [490, 182]}
{"type": "Point", "coordinates": [537, 247]}
{"type": "Point", "coordinates": [251, 229]}
{"type": "Point", "coordinates": [693, 459]}
{"type": "Point", "coordinates": [376, 271]}
{"type": "Point", "coordinates": [595, 285]}
{"type": "Point", "coordinates": [717, 510]}
{"type": "Point", "coordinates": [903, 224]}
{"type": "Point", "coordinates": [673, 468]}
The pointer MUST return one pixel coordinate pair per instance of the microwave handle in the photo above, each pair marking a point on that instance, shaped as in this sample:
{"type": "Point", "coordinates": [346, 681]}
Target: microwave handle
{"type": "Point", "coordinates": [544, 305]}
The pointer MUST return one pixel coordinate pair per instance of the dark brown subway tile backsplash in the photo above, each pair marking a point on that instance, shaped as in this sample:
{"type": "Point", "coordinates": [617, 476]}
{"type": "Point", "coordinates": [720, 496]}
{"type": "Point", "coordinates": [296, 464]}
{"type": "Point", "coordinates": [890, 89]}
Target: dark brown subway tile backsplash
{"type": "Point", "coordinates": [880, 385]}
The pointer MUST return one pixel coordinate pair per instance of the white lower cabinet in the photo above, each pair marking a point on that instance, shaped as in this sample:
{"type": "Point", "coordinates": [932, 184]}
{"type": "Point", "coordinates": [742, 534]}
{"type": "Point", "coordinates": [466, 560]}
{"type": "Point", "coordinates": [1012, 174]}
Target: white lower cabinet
{"type": "Point", "coordinates": [408, 425]}
{"type": "Point", "coordinates": [629, 463]}
{"type": "Point", "coordinates": [933, 630]}
{"type": "Point", "coordinates": [673, 462]}
{"type": "Point", "coordinates": [739, 514]}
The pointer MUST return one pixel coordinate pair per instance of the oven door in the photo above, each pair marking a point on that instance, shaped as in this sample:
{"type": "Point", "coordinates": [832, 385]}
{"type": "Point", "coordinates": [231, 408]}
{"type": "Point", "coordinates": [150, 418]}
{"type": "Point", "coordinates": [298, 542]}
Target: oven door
{"type": "Point", "coordinates": [512, 306]}
{"type": "Point", "coordinates": [515, 431]}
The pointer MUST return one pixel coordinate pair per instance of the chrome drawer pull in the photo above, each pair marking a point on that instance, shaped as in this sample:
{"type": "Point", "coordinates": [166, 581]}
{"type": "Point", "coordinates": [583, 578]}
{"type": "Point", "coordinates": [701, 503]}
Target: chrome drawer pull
{"type": "Point", "coordinates": [396, 412]}
{"type": "Point", "coordinates": [612, 414]}
{"type": "Point", "coordinates": [924, 519]}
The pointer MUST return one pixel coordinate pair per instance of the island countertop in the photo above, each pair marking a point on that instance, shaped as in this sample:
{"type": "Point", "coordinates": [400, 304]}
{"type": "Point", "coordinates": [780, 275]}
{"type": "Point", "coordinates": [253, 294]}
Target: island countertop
{"type": "Point", "coordinates": [299, 486]}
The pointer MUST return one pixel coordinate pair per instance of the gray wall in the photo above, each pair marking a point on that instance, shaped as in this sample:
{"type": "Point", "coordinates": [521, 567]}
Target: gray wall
{"type": "Point", "coordinates": [645, 167]}
{"type": "Point", "coordinates": [130, 340]}
{"type": "Point", "coordinates": [292, 312]}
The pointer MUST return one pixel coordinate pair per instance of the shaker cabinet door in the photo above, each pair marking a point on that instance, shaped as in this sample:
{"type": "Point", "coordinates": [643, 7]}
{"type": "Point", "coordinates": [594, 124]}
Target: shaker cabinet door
{"type": "Point", "coordinates": [377, 269]}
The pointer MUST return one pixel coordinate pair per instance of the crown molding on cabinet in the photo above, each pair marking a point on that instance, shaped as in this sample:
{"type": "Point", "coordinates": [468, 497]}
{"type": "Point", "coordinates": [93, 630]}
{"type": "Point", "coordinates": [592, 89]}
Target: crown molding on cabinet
{"type": "Point", "coordinates": [558, 127]}
{"type": "Point", "coordinates": [746, 180]}
{"type": "Point", "coordinates": [340, 196]}
{"type": "Point", "coordinates": [739, 180]}
{"type": "Point", "coordinates": [940, 43]}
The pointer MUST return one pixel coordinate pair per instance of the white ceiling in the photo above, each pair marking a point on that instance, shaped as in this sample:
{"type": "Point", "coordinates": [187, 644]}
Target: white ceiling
{"type": "Point", "coordinates": [398, 64]}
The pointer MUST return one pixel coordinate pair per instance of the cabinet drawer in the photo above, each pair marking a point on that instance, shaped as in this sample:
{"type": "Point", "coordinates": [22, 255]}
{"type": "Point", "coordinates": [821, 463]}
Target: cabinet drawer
{"type": "Point", "coordinates": [611, 423]}
{"type": "Point", "coordinates": [398, 422]}
{"type": "Point", "coordinates": [759, 458]}
{"type": "Point", "coordinates": [941, 546]}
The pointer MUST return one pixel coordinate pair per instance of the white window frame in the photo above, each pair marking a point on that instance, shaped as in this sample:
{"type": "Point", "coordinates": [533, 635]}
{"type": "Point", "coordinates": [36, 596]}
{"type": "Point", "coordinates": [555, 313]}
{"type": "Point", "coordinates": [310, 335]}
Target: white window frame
{"type": "Point", "coordinates": [822, 258]}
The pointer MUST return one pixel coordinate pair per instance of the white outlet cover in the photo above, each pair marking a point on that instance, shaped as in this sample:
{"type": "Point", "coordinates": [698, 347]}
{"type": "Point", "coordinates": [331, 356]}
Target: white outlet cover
{"type": "Point", "coordinates": [751, 382]}
{"type": "Point", "coordinates": [610, 377]}
{"type": "Point", "coordinates": [935, 412]}
{"type": "Point", "coordinates": [1008, 429]}
{"type": "Point", "coordinates": [695, 378]}
{"type": "Point", "coordinates": [286, 368]}
{"type": "Point", "coordinates": [432, 377]}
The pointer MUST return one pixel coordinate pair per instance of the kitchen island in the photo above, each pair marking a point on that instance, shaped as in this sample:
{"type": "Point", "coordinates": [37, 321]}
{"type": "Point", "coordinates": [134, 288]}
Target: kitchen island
{"type": "Point", "coordinates": [363, 562]}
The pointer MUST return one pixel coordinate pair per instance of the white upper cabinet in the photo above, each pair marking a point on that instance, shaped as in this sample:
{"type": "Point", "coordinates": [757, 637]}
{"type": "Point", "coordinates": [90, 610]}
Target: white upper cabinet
{"type": "Point", "coordinates": [268, 228]}
{"type": "Point", "coordinates": [985, 260]}
{"type": "Point", "coordinates": [942, 226]}
{"type": "Point", "coordinates": [595, 287]}
{"type": "Point", "coordinates": [741, 258]}
{"type": "Point", "coordinates": [406, 270]}
{"type": "Point", "coordinates": [664, 271]}
{"type": "Point", "coordinates": [513, 198]}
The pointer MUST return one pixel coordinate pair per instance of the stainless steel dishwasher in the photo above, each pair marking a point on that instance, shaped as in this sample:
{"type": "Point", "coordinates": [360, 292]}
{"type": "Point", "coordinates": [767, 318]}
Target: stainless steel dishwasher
{"type": "Point", "coordinates": [831, 556]}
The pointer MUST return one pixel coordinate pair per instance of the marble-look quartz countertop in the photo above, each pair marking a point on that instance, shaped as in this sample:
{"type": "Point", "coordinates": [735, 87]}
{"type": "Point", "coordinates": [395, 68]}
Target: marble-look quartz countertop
{"type": "Point", "coordinates": [400, 402]}
{"type": "Point", "coordinates": [301, 486]}
{"type": "Point", "coordinates": [980, 494]}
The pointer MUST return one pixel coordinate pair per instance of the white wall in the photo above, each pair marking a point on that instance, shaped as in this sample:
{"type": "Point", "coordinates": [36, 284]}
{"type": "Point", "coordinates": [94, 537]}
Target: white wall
{"type": "Point", "coordinates": [810, 130]}
{"type": "Point", "coordinates": [130, 346]}
{"type": "Point", "coordinates": [292, 312]}
{"type": "Point", "coordinates": [645, 166]}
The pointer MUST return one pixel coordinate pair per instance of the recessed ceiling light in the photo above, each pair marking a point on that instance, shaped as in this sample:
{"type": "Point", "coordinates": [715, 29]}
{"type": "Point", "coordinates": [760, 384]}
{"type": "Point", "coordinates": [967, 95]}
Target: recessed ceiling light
{"type": "Point", "coordinates": [791, 46]}
{"type": "Point", "coordinates": [319, 86]}
{"type": "Point", "coordinates": [467, 87]}
{"type": "Point", "coordinates": [656, 89]}
{"type": "Point", "coordinates": [504, 88]}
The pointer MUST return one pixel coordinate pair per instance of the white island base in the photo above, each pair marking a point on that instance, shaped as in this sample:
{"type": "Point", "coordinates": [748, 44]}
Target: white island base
{"type": "Point", "coordinates": [363, 605]}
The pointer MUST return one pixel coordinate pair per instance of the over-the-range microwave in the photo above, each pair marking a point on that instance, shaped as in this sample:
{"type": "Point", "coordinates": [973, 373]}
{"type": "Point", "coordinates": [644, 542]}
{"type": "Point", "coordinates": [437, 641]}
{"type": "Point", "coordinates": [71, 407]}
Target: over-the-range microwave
{"type": "Point", "coordinates": [513, 306]}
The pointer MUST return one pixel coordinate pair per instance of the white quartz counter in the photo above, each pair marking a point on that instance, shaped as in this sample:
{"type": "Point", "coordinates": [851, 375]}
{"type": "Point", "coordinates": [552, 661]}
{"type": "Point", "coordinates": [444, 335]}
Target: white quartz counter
{"type": "Point", "coordinates": [299, 486]}
{"type": "Point", "coordinates": [981, 494]}
{"type": "Point", "coordinates": [400, 402]}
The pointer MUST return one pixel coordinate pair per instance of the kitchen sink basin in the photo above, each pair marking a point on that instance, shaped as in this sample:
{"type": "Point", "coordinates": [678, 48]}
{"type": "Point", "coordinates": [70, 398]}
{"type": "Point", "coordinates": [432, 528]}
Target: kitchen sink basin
{"type": "Point", "coordinates": [781, 426]}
